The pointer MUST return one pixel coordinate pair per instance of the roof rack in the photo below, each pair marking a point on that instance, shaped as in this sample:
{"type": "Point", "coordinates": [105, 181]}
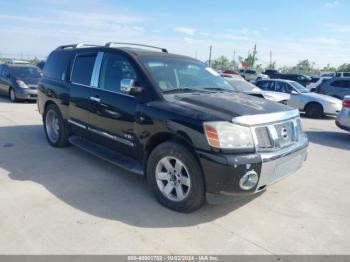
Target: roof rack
{"type": "Point", "coordinates": [110, 44]}
{"type": "Point", "coordinates": [14, 61]}
{"type": "Point", "coordinates": [80, 45]}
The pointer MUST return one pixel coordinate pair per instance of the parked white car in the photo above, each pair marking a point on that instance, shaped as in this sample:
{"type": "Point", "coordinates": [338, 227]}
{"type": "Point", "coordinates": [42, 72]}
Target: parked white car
{"type": "Point", "coordinates": [317, 81]}
{"type": "Point", "coordinates": [252, 75]}
{"type": "Point", "coordinates": [314, 105]}
{"type": "Point", "coordinates": [245, 87]}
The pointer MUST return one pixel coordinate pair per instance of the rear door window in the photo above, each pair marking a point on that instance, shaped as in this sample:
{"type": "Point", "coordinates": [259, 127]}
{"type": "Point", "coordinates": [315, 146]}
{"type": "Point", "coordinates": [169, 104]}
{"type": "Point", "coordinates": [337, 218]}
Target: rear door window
{"type": "Point", "coordinates": [83, 68]}
{"type": "Point", "coordinates": [337, 83]}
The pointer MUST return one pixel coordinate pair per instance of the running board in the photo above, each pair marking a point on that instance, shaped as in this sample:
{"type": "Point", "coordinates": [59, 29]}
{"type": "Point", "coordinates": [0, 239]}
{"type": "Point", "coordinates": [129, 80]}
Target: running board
{"type": "Point", "coordinates": [107, 154]}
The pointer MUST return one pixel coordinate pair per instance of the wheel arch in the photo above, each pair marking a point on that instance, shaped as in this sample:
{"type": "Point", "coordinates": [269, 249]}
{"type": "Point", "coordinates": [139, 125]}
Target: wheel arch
{"type": "Point", "coordinates": [313, 102]}
{"type": "Point", "coordinates": [179, 137]}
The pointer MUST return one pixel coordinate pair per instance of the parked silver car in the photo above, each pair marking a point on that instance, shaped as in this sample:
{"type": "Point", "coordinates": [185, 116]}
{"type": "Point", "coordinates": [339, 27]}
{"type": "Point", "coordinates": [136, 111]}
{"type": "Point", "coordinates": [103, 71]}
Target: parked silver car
{"type": "Point", "coordinates": [245, 87]}
{"type": "Point", "coordinates": [337, 87]}
{"type": "Point", "coordinates": [343, 118]}
{"type": "Point", "coordinates": [314, 105]}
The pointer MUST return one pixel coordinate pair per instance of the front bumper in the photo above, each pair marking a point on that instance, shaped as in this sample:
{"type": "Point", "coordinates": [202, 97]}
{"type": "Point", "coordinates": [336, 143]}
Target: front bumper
{"type": "Point", "coordinates": [27, 93]}
{"type": "Point", "coordinates": [223, 172]}
{"type": "Point", "coordinates": [332, 109]}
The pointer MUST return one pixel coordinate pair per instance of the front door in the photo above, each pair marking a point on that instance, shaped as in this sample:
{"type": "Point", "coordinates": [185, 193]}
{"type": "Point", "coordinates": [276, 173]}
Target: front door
{"type": "Point", "coordinates": [113, 113]}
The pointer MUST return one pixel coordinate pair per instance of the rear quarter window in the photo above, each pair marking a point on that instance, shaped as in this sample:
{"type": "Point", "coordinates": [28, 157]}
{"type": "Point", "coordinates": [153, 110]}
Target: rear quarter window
{"type": "Point", "coordinates": [56, 66]}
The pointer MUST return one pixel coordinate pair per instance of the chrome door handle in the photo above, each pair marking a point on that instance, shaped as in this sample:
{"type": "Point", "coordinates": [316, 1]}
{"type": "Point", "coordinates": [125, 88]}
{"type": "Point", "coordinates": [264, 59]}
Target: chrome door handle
{"type": "Point", "coordinates": [95, 99]}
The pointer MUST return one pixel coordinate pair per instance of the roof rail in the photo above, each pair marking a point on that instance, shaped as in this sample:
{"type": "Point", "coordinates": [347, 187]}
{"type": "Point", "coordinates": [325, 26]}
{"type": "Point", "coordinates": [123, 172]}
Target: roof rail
{"type": "Point", "coordinates": [110, 44]}
{"type": "Point", "coordinates": [80, 45]}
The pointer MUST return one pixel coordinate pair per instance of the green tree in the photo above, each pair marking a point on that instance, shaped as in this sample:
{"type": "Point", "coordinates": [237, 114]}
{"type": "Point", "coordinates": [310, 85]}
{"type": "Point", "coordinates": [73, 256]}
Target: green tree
{"type": "Point", "coordinates": [250, 60]}
{"type": "Point", "coordinates": [34, 61]}
{"type": "Point", "coordinates": [221, 63]}
{"type": "Point", "coordinates": [344, 68]}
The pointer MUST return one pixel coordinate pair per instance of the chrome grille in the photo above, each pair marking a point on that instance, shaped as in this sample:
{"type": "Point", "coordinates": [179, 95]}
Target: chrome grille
{"type": "Point", "coordinates": [277, 136]}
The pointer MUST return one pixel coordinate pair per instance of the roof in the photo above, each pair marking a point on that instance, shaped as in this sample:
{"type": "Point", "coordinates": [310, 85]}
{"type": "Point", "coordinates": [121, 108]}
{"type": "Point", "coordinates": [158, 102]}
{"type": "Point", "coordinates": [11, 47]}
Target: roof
{"type": "Point", "coordinates": [130, 48]}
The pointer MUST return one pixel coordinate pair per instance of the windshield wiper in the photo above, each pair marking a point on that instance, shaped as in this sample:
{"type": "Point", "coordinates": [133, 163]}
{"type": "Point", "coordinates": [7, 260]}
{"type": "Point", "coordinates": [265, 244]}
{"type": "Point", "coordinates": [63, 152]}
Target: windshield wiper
{"type": "Point", "coordinates": [218, 89]}
{"type": "Point", "coordinates": [180, 90]}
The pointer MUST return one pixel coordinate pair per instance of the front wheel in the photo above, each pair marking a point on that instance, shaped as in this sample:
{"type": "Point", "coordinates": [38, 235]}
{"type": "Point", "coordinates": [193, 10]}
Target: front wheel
{"type": "Point", "coordinates": [55, 128]}
{"type": "Point", "coordinates": [176, 178]}
{"type": "Point", "coordinates": [12, 95]}
{"type": "Point", "coordinates": [314, 110]}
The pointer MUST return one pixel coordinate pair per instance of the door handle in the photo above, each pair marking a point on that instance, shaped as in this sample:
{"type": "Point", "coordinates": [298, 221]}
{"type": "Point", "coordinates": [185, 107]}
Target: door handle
{"type": "Point", "coordinates": [95, 99]}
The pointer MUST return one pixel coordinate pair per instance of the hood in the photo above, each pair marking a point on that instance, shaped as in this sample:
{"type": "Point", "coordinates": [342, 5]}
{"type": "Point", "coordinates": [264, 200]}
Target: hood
{"type": "Point", "coordinates": [276, 96]}
{"type": "Point", "coordinates": [226, 105]}
{"type": "Point", "coordinates": [321, 97]}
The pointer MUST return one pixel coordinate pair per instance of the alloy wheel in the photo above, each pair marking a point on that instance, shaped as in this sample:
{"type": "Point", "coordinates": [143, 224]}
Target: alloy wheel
{"type": "Point", "coordinates": [173, 179]}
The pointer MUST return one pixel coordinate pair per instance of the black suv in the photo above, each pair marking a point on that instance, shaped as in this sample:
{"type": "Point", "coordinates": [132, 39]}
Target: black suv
{"type": "Point", "coordinates": [301, 79]}
{"type": "Point", "coordinates": [169, 117]}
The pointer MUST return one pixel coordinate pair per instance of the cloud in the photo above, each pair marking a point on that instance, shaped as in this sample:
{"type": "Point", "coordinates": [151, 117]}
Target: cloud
{"type": "Point", "coordinates": [185, 30]}
{"type": "Point", "coordinates": [322, 40]}
{"type": "Point", "coordinates": [331, 4]}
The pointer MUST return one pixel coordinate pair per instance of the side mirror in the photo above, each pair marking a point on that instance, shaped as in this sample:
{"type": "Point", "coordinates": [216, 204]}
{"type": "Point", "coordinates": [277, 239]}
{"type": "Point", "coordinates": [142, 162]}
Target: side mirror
{"type": "Point", "coordinates": [127, 86]}
{"type": "Point", "coordinates": [294, 92]}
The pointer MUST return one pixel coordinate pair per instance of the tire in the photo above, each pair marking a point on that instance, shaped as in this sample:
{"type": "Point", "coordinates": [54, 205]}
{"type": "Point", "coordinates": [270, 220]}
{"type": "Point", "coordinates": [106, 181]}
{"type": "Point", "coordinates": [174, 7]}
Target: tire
{"type": "Point", "coordinates": [12, 95]}
{"type": "Point", "coordinates": [314, 110]}
{"type": "Point", "coordinates": [185, 183]}
{"type": "Point", "coordinates": [55, 128]}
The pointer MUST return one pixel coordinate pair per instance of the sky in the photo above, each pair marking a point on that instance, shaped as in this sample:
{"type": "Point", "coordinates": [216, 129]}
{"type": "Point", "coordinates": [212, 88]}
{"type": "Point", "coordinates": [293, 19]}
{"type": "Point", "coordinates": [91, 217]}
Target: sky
{"type": "Point", "coordinates": [292, 30]}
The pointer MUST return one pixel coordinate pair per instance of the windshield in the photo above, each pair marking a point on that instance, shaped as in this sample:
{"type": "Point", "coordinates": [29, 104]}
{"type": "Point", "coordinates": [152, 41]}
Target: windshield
{"type": "Point", "coordinates": [25, 72]}
{"type": "Point", "coordinates": [299, 88]}
{"type": "Point", "coordinates": [241, 85]}
{"type": "Point", "coordinates": [181, 75]}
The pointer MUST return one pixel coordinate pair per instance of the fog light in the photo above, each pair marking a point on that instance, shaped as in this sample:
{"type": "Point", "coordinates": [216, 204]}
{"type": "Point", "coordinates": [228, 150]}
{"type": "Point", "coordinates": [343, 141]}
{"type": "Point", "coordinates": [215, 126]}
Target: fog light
{"type": "Point", "coordinates": [249, 180]}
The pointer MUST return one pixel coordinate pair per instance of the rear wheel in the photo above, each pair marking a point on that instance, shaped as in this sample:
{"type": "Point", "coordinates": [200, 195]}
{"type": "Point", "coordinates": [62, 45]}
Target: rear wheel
{"type": "Point", "coordinates": [12, 95]}
{"type": "Point", "coordinates": [314, 110]}
{"type": "Point", "coordinates": [55, 128]}
{"type": "Point", "coordinates": [175, 177]}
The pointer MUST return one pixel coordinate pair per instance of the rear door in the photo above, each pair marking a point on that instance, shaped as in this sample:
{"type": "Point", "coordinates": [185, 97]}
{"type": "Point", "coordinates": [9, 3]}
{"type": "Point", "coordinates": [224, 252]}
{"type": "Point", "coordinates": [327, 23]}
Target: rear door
{"type": "Point", "coordinates": [113, 113]}
{"type": "Point", "coordinates": [80, 90]}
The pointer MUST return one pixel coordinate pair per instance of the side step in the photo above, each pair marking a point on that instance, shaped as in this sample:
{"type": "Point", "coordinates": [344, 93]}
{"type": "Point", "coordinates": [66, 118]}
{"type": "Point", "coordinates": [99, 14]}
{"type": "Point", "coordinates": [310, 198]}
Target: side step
{"type": "Point", "coordinates": [107, 154]}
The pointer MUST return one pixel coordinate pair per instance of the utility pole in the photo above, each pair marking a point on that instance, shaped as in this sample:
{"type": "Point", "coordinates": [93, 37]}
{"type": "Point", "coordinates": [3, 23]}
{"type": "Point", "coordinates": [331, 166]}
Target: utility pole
{"type": "Point", "coordinates": [234, 58]}
{"type": "Point", "coordinates": [270, 59]}
{"type": "Point", "coordinates": [254, 53]}
{"type": "Point", "coordinates": [210, 49]}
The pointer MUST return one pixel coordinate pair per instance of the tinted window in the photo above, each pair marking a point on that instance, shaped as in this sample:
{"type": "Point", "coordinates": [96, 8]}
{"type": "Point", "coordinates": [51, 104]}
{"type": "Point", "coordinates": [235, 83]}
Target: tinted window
{"type": "Point", "coordinates": [346, 74]}
{"type": "Point", "coordinates": [56, 66]}
{"type": "Point", "coordinates": [115, 68]}
{"type": "Point", "coordinates": [250, 72]}
{"type": "Point", "coordinates": [282, 87]}
{"type": "Point", "coordinates": [262, 84]}
{"type": "Point", "coordinates": [314, 79]}
{"type": "Point", "coordinates": [338, 74]}
{"type": "Point", "coordinates": [337, 84]}
{"type": "Point", "coordinates": [341, 83]}
{"type": "Point", "coordinates": [82, 69]}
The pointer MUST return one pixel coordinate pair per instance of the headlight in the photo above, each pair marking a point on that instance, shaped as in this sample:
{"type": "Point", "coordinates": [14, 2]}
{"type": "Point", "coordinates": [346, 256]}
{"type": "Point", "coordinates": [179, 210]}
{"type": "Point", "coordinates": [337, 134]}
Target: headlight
{"type": "Point", "coordinates": [226, 135]}
{"type": "Point", "coordinates": [21, 84]}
